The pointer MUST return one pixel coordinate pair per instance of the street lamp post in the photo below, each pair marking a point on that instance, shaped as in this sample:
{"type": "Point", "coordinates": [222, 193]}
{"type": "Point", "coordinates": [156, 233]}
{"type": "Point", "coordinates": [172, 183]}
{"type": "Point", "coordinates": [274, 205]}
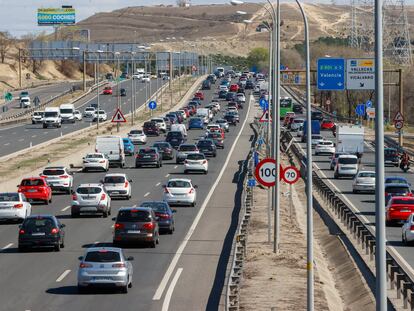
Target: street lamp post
{"type": "Point", "coordinates": [117, 88]}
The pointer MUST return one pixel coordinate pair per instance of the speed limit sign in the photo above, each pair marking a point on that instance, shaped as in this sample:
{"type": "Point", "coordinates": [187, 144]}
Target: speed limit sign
{"type": "Point", "coordinates": [265, 172]}
{"type": "Point", "coordinates": [291, 174]}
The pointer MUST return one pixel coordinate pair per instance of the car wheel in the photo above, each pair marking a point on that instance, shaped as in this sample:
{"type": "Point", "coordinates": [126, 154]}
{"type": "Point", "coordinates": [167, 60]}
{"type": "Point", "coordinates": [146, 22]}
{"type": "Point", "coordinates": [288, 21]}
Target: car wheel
{"type": "Point", "coordinates": [205, 172]}
{"type": "Point", "coordinates": [81, 289]}
{"type": "Point", "coordinates": [404, 240]}
{"type": "Point", "coordinates": [67, 191]}
{"type": "Point", "coordinates": [62, 245]}
{"type": "Point", "coordinates": [160, 164]}
{"type": "Point", "coordinates": [354, 191]}
{"type": "Point", "coordinates": [74, 215]}
{"type": "Point", "coordinates": [153, 244]}
{"type": "Point", "coordinates": [137, 166]}
{"type": "Point", "coordinates": [388, 223]}
{"type": "Point", "coordinates": [46, 202]}
{"type": "Point", "coordinates": [130, 284]}
{"type": "Point", "coordinates": [21, 248]}
{"type": "Point", "coordinates": [105, 214]}
{"type": "Point", "coordinates": [57, 247]}
{"type": "Point", "coordinates": [124, 289]}
{"type": "Point", "coordinates": [185, 172]}
{"type": "Point", "coordinates": [171, 230]}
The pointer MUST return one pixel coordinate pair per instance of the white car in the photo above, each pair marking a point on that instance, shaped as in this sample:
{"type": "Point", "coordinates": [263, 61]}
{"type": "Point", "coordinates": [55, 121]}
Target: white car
{"type": "Point", "coordinates": [78, 115]}
{"type": "Point", "coordinates": [180, 191]}
{"type": "Point", "coordinates": [118, 185]}
{"type": "Point", "coordinates": [25, 102]}
{"type": "Point", "coordinates": [137, 137]}
{"type": "Point", "coordinates": [160, 123]}
{"type": "Point", "coordinates": [212, 126]}
{"type": "Point", "coordinates": [217, 105]}
{"type": "Point", "coordinates": [408, 229]}
{"type": "Point", "coordinates": [14, 206]}
{"type": "Point", "coordinates": [296, 124]}
{"type": "Point", "coordinates": [95, 161]}
{"type": "Point", "coordinates": [89, 112]}
{"type": "Point", "coordinates": [196, 162]}
{"type": "Point", "coordinates": [325, 147]}
{"type": "Point", "coordinates": [59, 178]}
{"type": "Point", "coordinates": [241, 98]}
{"type": "Point", "coordinates": [90, 199]}
{"type": "Point", "coordinates": [137, 76]}
{"type": "Point", "coordinates": [346, 165]}
{"type": "Point", "coordinates": [37, 117]}
{"type": "Point", "coordinates": [102, 115]}
{"type": "Point", "coordinates": [231, 109]}
{"type": "Point", "coordinates": [316, 139]}
{"type": "Point", "coordinates": [146, 78]}
{"type": "Point", "coordinates": [364, 181]}
{"type": "Point", "coordinates": [223, 88]}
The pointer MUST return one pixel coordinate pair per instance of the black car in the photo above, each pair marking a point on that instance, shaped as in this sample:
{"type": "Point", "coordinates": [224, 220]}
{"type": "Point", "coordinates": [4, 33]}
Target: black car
{"type": "Point", "coordinates": [297, 108]}
{"type": "Point", "coordinates": [212, 78]}
{"type": "Point", "coordinates": [217, 138]}
{"type": "Point", "coordinates": [207, 147]}
{"type": "Point", "coordinates": [231, 96]}
{"type": "Point", "coordinates": [249, 85]}
{"type": "Point", "coordinates": [109, 76]}
{"type": "Point", "coordinates": [41, 231]}
{"type": "Point", "coordinates": [151, 128]}
{"type": "Point", "coordinates": [391, 156]}
{"type": "Point", "coordinates": [164, 213]}
{"type": "Point", "coordinates": [165, 149]}
{"type": "Point", "coordinates": [206, 85]}
{"type": "Point", "coordinates": [148, 156]}
{"type": "Point", "coordinates": [222, 94]}
{"type": "Point", "coordinates": [230, 118]}
{"type": "Point", "coordinates": [175, 138]}
{"type": "Point", "coordinates": [122, 92]}
{"type": "Point", "coordinates": [317, 115]}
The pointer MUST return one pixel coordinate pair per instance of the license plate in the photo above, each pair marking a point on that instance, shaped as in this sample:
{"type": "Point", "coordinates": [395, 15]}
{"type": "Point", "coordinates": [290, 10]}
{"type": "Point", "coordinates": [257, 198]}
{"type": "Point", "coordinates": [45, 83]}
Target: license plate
{"type": "Point", "coordinates": [134, 231]}
{"type": "Point", "coordinates": [38, 234]}
{"type": "Point", "coordinates": [32, 190]}
{"type": "Point", "coordinates": [147, 157]}
{"type": "Point", "coordinates": [405, 211]}
{"type": "Point", "coordinates": [115, 192]}
{"type": "Point", "coordinates": [102, 278]}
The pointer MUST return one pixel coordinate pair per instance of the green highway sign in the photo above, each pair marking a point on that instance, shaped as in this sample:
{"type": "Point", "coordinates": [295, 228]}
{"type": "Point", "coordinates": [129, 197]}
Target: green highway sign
{"type": "Point", "coordinates": [8, 96]}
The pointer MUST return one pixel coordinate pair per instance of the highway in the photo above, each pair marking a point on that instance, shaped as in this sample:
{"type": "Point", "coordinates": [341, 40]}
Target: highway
{"type": "Point", "coordinates": [187, 268]}
{"type": "Point", "coordinates": [18, 137]}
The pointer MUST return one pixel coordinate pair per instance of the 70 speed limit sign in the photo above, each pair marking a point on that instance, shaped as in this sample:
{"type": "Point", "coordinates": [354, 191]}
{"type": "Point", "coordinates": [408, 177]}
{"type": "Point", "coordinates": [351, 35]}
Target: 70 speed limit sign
{"type": "Point", "coordinates": [291, 174]}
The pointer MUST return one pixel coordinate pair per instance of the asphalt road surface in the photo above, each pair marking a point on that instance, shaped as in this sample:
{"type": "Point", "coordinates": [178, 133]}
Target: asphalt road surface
{"type": "Point", "coordinates": [18, 137]}
{"type": "Point", "coordinates": [197, 250]}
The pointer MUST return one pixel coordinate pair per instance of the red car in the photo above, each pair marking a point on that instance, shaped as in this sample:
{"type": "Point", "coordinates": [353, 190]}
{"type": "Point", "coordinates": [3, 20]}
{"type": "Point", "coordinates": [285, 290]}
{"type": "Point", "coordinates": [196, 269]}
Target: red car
{"type": "Point", "coordinates": [107, 90]}
{"type": "Point", "coordinates": [36, 189]}
{"type": "Point", "coordinates": [187, 112]}
{"type": "Point", "coordinates": [327, 125]}
{"type": "Point", "coordinates": [398, 209]}
{"type": "Point", "coordinates": [234, 88]}
{"type": "Point", "coordinates": [199, 95]}
{"type": "Point", "coordinates": [192, 109]}
{"type": "Point", "coordinates": [218, 130]}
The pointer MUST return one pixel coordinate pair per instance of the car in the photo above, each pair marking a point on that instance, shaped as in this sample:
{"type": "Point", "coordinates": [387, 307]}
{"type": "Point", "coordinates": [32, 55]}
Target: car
{"type": "Point", "coordinates": [234, 88]}
{"type": "Point", "coordinates": [166, 220]}
{"type": "Point", "coordinates": [297, 108]}
{"type": "Point", "coordinates": [167, 123]}
{"type": "Point", "coordinates": [212, 78]}
{"type": "Point", "coordinates": [316, 115]}
{"type": "Point", "coordinates": [172, 117]}
{"type": "Point", "coordinates": [256, 89]}
{"type": "Point", "coordinates": [175, 138]}
{"type": "Point", "coordinates": [196, 123]}
{"type": "Point", "coordinates": [146, 78]}
{"type": "Point", "coordinates": [199, 95]}
{"type": "Point", "coordinates": [240, 98]}
{"type": "Point", "coordinates": [223, 124]}
{"type": "Point", "coordinates": [206, 85]}
{"type": "Point", "coordinates": [78, 115]}
{"type": "Point", "coordinates": [192, 109]}
{"type": "Point", "coordinates": [249, 85]}
{"type": "Point", "coordinates": [95, 161]}
{"type": "Point", "coordinates": [90, 199]}
{"type": "Point", "coordinates": [216, 130]}
{"type": "Point", "coordinates": [207, 147]}
{"type": "Point", "coordinates": [327, 124]}
{"type": "Point", "coordinates": [151, 128]}
{"type": "Point", "coordinates": [165, 149]}
{"type": "Point", "coordinates": [162, 126]}
{"type": "Point", "coordinates": [36, 189]}
{"type": "Point", "coordinates": [183, 151]}
{"type": "Point", "coordinates": [408, 230]}
{"type": "Point", "coordinates": [222, 94]}
{"type": "Point", "coordinates": [231, 96]}
{"type": "Point", "coordinates": [124, 75]}
{"type": "Point", "coordinates": [23, 94]}
{"type": "Point", "coordinates": [59, 178]}
{"type": "Point", "coordinates": [117, 185]}
{"type": "Point", "coordinates": [398, 209]}
{"type": "Point", "coordinates": [137, 137]}
{"type": "Point", "coordinates": [325, 146]}
{"type": "Point", "coordinates": [101, 114]}
{"type": "Point", "coordinates": [400, 190]}
{"type": "Point", "coordinates": [180, 191]}
{"type": "Point", "coordinates": [41, 231]}
{"type": "Point", "coordinates": [129, 148]}
{"type": "Point", "coordinates": [148, 156]}
{"type": "Point", "coordinates": [105, 266]}
{"type": "Point", "coordinates": [316, 139]}
{"type": "Point", "coordinates": [137, 76]}
{"type": "Point", "coordinates": [364, 181]}
{"type": "Point", "coordinates": [232, 106]}
{"type": "Point", "coordinates": [296, 124]}
{"type": "Point", "coordinates": [182, 114]}
{"type": "Point", "coordinates": [89, 112]}
{"type": "Point", "coordinates": [334, 159]}
{"type": "Point", "coordinates": [37, 117]}
{"type": "Point", "coordinates": [179, 116]}
{"type": "Point", "coordinates": [196, 162]}
{"type": "Point", "coordinates": [14, 206]}
{"type": "Point", "coordinates": [230, 118]}
{"type": "Point", "coordinates": [217, 138]}
{"type": "Point", "coordinates": [396, 180]}
{"type": "Point", "coordinates": [195, 101]}
{"type": "Point", "coordinates": [122, 92]}
{"type": "Point", "coordinates": [391, 157]}
{"type": "Point", "coordinates": [25, 102]}
{"type": "Point", "coordinates": [107, 90]}
{"type": "Point", "coordinates": [346, 165]}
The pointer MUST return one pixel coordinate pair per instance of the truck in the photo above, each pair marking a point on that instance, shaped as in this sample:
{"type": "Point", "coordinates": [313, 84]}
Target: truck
{"type": "Point", "coordinates": [350, 139]}
{"type": "Point", "coordinates": [316, 129]}
{"type": "Point", "coordinates": [113, 148]}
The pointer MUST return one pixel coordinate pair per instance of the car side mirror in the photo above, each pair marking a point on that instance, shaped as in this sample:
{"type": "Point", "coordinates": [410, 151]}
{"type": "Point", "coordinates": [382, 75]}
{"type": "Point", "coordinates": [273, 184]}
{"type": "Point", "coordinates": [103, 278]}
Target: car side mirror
{"type": "Point", "coordinates": [62, 225]}
{"type": "Point", "coordinates": [80, 257]}
{"type": "Point", "coordinates": [195, 186]}
{"type": "Point", "coordinates": [130, 180]}
{"type": "Point", "coordinates": [130, 258]}
{"type": "Point", "coordinates": [113, 218]}
{"type": "Point", "coordinates": [174, 211]}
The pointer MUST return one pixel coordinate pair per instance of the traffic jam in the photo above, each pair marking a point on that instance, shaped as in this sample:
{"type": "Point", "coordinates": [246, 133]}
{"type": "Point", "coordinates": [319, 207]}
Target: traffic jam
{"type": "Point", "coordinates": [188, 139]}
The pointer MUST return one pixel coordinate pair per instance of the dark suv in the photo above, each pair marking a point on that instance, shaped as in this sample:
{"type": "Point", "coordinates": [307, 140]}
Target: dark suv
{"type": "Point", "coordinates": [148, 156]}
{"type": "Point", "coordinates": [207, 147]}
{"type": "Point", "coordinates": [151, 128]}
{"type": "Point", "coordinates": [391, 156]}
{"type": "Point", "coordinates": [175, 138]}
{"type": "Point", "coordinates": [136, 224]}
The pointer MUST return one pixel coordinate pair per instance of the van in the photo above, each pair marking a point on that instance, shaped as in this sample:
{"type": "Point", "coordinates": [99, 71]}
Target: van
{"type": "Point", "coordinates": [52, 117]}
{"type": "Point", "coordinates": [67, 113]}
{"type": "Point", "coordinates": [25, 102]}
{"type": "Point", "coordinates": [346, 165]}
{"type": "Point", "coordinates": [179, 127]}
{"type": "Point", "coordinates": [204, 114]}
{"type": "Point", "coordinates": [113, 148]}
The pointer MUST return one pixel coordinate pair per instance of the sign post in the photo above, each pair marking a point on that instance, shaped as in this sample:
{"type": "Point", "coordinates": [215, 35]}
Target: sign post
{"type": "Point", "coordinates": [399, 124]}
{"type": "Point", "coordinates": [291, 175]}
{"type": "Point", "coordinates": [152, 105]}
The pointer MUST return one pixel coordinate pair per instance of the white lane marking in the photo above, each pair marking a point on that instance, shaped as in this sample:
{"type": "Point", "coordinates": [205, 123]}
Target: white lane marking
{"type": "Point", "coordinates": [8, 246]}
{"type": "Point", "coordinates": [157, 184]}
{"type": "Point", "coordinates": [176, 166]}
{"type": "Point", "coordinates": [170, 290]}
{"type": "Point", "coordinates": [45, 133]}
{"type": "Point", "coordinates": [65, 208]}
{"type": "Point", "coordinates": [21, 139]}
{"type": "Point", "coordinates": [168, 175]}
{"type": "Point", "coordinates": [33, 136]}
{"type": "Point", "coordinates": [147, 194]}
{"type": "Point", "coordinates": [174, 261]}
{"type": "Point", "coordinates": [6, 144]}
{"type": "Point", "coordinates": [62, 276]}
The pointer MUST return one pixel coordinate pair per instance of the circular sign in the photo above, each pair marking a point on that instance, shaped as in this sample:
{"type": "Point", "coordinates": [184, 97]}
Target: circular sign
{"type": "Point", "coordinates": [152, 105]}
{"type": "Point", "coordinates": [265, 172]}
{"type": "Point", "coordinates": [291, 174]}
{"type": "Point", "coordinates": [399, 125]}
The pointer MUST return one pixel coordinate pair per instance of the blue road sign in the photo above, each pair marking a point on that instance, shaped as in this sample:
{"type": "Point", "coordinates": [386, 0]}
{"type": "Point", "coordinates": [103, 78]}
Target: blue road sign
{"type": "Point", "coordinates": [360, 110]}
{"type": "Point", "coordinates": [264, 104]}
{"type": "Point", "coordinates": [251, 182]}
{"type": "Point", "coordinates": [368, 104]}
{"type": "Point", "coordinates": [285, 76]}
{"type": "Point", "coordinates": [297, 79]}
{"type": "Point", "coordinates": [331, 74]}
{"type": "Point", "coordinates": [256, 158]}
{"type": "Point", "coordinates": [282, 67]}
{"type": "Point", "coordinates": [152, 105]}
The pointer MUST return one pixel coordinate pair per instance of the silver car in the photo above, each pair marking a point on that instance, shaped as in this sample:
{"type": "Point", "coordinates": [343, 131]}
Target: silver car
{"type": "Point", "coordinates": [91, 199]}
{"type": "Point", "coordinates": [184, 150]}
{"type": "Point", "coordinates": [364, 181]}
{"type": "Point", "coordinates": [103, 267]}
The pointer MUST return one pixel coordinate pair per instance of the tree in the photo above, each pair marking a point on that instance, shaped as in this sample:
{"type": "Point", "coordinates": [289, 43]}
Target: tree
{"type": "Point", "coordinates": [5, 44]}
{"type": "Point", "coordinates": [259, 58]}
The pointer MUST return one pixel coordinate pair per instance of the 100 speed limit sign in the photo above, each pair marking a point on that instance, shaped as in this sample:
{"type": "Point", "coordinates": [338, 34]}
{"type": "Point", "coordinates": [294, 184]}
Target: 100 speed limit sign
{"type": "Point", "coordinates": [291, 174]}
{"type": "Point", "coordinates": [265, 172]}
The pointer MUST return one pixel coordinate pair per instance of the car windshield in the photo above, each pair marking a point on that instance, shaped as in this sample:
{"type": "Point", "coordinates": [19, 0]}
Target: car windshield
{"type": "Point", "coordinates": [403, 201]}
{"type": "Point", "coordinates": [102, 256]}
{"type": "Point", "coordinates": [133, 216]}
{"type": "Point", "coordinates": [53, 172]}
{"type": "Point", "coordinates": [147, 151]}
{"type": "Point", "coordinates": [316, 137]}
{"type": "Point", "coordinates": [221, 121]}
{"type": "Point", "coordinates": [391, 180]}
{"type": "Point", "coordinates": [178, 184]}
{"type": "Point", "coordinates": [101, 112]}
{"type": "Point", "coordinates": [285, 103]}
{"type": "Point", "coordinates": [196, 156]}
{"type": "Point", "coordinates": [135, 132]}
{"type": "Point", "coordinates": [90, 109]}
{"type": "Point", "coordinates": [367, 174]}
{"type": "Point", "coordinates": [390, 152]}
{"type": "Point", "coordinates": [325, 143]}
{"type": "Point", "coordinates": [298, 121]}
{"type": "Point", "coordinates": [9, 197]}
{"type": "Point", "coordinates": [94, 156]}
{"type": "Point", "coordinates": [188, 148]}
{"type": "Point", "coordinates": [32, 182]}
{"type": "Point", "coordinates": [51, 114]}
{"type": "Point", "coordinates": [161, 145]}
{"type": "Point", "coordinates": [66, 111]}
{"type": "Point", "coordinates": [114, 180]}
{"type": "Point", "coordinates": [348, 160]}
{"type": "Point", "coordinates": [156, 206]}
{"type": "Point", "coordinates": [397, 190]}
{"type": "Point", "coordinates": [89, 190]}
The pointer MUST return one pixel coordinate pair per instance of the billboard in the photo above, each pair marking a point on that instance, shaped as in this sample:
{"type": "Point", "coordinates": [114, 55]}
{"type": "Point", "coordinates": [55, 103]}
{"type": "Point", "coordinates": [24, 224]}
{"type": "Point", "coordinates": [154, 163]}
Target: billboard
{"type": "Point", "coordinates": [55, 16]}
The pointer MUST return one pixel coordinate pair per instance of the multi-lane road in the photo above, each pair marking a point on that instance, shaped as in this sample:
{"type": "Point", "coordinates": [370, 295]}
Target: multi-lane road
{"type": "Point", "coordinates": [185, 271]}
{"type": "Point", "coordinates": [18, 137]}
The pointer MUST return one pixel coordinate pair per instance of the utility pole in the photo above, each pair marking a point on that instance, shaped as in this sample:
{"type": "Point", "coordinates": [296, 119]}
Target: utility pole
{"type": "Point", "coordinates": [401, 102]}
{"type": "Point", "coordinates": [84, 70]}
{"type": "Point", "coordinates": [20, 68]}
{"type": "Point", "coordinates": [97, 90]}
{"type": "Point", "coordinates": [118, 92]}
{"type": "Point", "coordinates": [132, 91]}
{"type": "Point", "coordinates": [171, 76]}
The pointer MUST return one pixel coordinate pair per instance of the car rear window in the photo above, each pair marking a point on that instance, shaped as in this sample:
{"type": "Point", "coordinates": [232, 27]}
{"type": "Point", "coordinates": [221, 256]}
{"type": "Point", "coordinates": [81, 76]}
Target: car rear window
{"type": "Point", "coordinates": [204, 143]}
{"type": "Point", "coordinates": [397, 189]}
{"type": "Point", "coordinates": [102, 256]}
{"type": "Point", "coordinates": [214, 135]}
{"type": "Point", "coordinates": [114, 180]}
{"type": "Point", "coordinates": [133, 216]}
{"type": "Point", "coordinates": [178, 184]}
{"type": "Point", "coordinates": [38, 224]}
{"type": "Point", "coordinates": [316, 137]}
{"type": "Point", "coordinates": [161, 145]}
{"type": "Point", "coordinates": [403, 201]}
{"type": "Point", "coordinates": [195, 156]}
{"type": "Point", "coordinates": [174, 135]}
{"type": "Point", "coordinates": [395, 181]}
{"type": "Point", "coordinates": [147, 151]}
{"type": "Point", "coordinates": [325, 143]}
{"type": "Point", "coordinates": [195, 120]}
{"type": "Point", "coordinates": [188, 148]}
{"type": "Point", "coordinates": [348, 160]}
{"type": "Point", "coordinates": [366, 174]}
{"type": "Point", "coordinates": [9, 197]}
{"type": "Point", "coordinates": [390, 152]}
{"type": "Point", "coordinates": [89, 190]}
{"type": "Point", "coordinates": [298, 121]}
{"type": "Point", "coordinates": [52, 172]}
{"type": "Point", "coordinates": [33, 182]}
{"type": "Point", "coordinates": [94, 156]}
{"type": "Point", "coordinates": [156, 206]}
{"type": "Point", "coordinates": [135, 132]}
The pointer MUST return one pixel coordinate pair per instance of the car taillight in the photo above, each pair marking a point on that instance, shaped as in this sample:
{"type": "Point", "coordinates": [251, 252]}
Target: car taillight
{"type": "Point", "coordinates": [85, 265]}
{"type": "Point", "coordinates": [138, 156]}
{"type": "Point", "coordinates": [411, 228]}
{"type": "Point", "coordinates": [20, 205]}
{"type": "Point", "coordinates": [64, 176]}
{"type": "Point", "coordinates": [185, 162]}
{"type": "Point", "coordinates": [191, 191]}
{"type": "Point", "coordinates": [148, 226]}
{"type": "Point", "coordinates": [54, 231]}
{"type": "Point", "coordinates": [163, 216]}
{"type": "Point", "coordinates": [43, 176]}
{"type": "Point", "coordinates": [409, 194]}
{"type": "Point", "coordinates": [21, 231]}
{"type": "Point", "coordinates": [118, 265]}
{"type": "Point", "coordinates": [74, 197]}
{"type": "Point", "coordinates": [103, 196]}
{"type": "Point", "coordinates": [119, 226]}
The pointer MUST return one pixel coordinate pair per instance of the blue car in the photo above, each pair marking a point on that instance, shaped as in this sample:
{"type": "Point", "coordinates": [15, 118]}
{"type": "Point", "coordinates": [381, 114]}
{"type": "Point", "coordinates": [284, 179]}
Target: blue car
{"type": "Point", "coordinates": [164, 213]}
{"type": "Point", "coordinates": [196, 123]}
{"type": "Point", "coordinates": [396, 180]}
{"type": "Point", "coordinates": [225, 82]}
{"type": "Point", "coordinates": [128, 146]}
